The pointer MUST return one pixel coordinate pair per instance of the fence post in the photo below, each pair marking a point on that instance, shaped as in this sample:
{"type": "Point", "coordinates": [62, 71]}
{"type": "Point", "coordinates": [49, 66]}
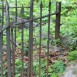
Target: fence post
{"type": "Point", "coordinates": [57, 27]}
{"type": "Point", "coordinates": [8, 40]}
{"type": "Point", "coordinates": [22, 38]}
{"type": "Point", "coordinates": [1, 41]}
{"type": "Point", "coordinates": [1, 57]}
{"type": "Point", "coordinates": [30, 54]}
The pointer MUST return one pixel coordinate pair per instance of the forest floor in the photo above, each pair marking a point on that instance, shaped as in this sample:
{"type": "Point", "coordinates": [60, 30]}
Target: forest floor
{"type": "Point", "coordinates": [55, 53]}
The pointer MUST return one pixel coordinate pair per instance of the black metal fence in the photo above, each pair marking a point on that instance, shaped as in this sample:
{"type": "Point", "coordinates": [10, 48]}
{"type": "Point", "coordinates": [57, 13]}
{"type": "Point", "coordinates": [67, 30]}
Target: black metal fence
{"type": "Point", "coordinates": [17, 57]}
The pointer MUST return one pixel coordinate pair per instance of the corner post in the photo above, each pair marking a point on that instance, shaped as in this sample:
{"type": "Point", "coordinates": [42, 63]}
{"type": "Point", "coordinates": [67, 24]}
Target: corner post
{"type": "Point", "coordinates": [57, 27]}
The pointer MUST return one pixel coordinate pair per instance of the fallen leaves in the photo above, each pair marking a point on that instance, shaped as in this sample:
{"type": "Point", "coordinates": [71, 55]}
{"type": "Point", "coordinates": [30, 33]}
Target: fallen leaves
{"type": "Point", "coordinates": [54, 54]}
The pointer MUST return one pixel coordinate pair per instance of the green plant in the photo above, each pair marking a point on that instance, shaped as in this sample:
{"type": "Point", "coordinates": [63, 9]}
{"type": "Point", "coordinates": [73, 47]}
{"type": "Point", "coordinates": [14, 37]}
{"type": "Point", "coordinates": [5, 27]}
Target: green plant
{"type": "Point", "coordinates": [42, 67]}
{"type": "Point", "coordinates": [54, 75]}
{"type": "Point", "coordinates": [72, 55]}
{"type": "Point", "coordinates": [58, 67]}
{"type": "Point", "coordinates": [68, 28]}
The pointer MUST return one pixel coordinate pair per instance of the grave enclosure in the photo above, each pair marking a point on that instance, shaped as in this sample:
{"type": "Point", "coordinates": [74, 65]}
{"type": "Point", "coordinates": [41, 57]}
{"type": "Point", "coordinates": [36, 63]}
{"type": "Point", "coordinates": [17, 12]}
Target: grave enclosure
{"type": "Point", "coordinates": [9, 30]}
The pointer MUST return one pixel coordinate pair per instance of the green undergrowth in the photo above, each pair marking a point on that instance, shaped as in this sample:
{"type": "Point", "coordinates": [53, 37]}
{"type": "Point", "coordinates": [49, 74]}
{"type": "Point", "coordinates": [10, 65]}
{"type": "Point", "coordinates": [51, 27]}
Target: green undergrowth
{"type": "Point", "coordinates": [72, 55]}
{"type": "Point", "coordinates": [68, 33]}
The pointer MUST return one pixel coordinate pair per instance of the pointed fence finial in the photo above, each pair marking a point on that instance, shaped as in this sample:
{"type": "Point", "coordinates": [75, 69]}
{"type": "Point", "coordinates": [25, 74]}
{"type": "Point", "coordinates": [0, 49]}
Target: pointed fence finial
{"type": "Point", "coordinates": [22, 10]}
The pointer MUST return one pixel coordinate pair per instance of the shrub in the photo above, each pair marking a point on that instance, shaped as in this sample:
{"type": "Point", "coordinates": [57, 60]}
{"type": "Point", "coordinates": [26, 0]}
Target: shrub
{"type": "Point", "coordinates": [72, 55]}
{"type": "Point", "coordinates": [59, 67]}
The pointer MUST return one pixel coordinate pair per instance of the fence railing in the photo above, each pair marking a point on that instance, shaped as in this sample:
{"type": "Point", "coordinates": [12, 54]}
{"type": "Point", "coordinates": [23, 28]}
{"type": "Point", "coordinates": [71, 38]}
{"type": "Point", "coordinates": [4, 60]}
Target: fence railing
{"type": "Point", "coordinates": [14, 55]}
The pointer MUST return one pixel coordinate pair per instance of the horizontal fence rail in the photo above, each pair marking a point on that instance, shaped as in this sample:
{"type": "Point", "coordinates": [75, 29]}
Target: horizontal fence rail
{"type": "Point", "coordinates": [22, 22]}
{"type": "Point", "coordinates": [22, 52]}
{"type": "Point", "coordinates": [15, 7]}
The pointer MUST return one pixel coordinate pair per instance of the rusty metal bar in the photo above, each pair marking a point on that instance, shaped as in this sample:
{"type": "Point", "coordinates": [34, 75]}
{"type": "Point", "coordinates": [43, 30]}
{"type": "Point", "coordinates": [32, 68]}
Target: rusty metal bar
{"type": "Point", "coordinates": [1, 57]}
{"type": "Point", "coordinates": [8, 51]}
{"type": "Point", "coordinates": [15, 19]}
{"type": "Point", "coordinates": [13, 46]}
{"type": "Point", "coordinates": [8, 40]}
{"type": "Point", "coordinates": [22, 52]}
{"type": "Point", "coordinates": [22, 38]}
{"type": "Point", "coordinates": [48, 37]}
{"type": "Point", "coordinates": [37, 18]}
{"type": "Point", "coordinates": [19, 7]}
{"type": "Point", "coordinates": [13, 54]}
{"type": "Point", "coordinates": [57, 27]}
{"type": "Point", "coordinates": [1, 41]}
{"type": "Point", "coordinates": [15, 35]}
{"type": "Point", "coordinates": [16, 24]}
{"type": "Point", "coordinates": [3, 28]}
{"type": "Point", "coordinates": [40, 39]}
{"type": "Point", "coordinates": [2, 12]}
{"type": "Point", "coordinates": [14, 7]}
{"type": "Point", "coordinates": [30, 54]}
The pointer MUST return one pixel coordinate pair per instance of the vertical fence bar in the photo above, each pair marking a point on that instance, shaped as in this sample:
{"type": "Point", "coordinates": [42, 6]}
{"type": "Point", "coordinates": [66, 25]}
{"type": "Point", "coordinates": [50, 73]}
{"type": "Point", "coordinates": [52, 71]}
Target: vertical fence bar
{"type": "Point", "coordinates": [1, 40]}
{"type": "Point", "coordinates": [2, 12]}
{"type": "Point", "coordinates": [48, 37]}
{"type": "Point", "coordinates": [30, 54]}
{"type": "Point", "coordinates": [15, 20]}
{"type": "Point", "coordinates": [14, 36]}
{"type": "Point", "coordinates": [13, 53]}
{"type": "Point", "coordinates": [22, 52]}
{"type": "Point", "coordinates": [1, 57]}
{"type": "Point", "coordinates": [22, 35]}
{"type": "Point", "coordinates": [40, 39]}
{"type": "Point", "coordinates": [8, 40]}
{"type": "Point", "coordinates": [57, 27]}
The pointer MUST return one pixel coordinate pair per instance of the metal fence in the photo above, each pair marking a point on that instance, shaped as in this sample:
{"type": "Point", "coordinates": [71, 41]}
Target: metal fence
{"type": "Point", "coordinates": [10, 55]}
